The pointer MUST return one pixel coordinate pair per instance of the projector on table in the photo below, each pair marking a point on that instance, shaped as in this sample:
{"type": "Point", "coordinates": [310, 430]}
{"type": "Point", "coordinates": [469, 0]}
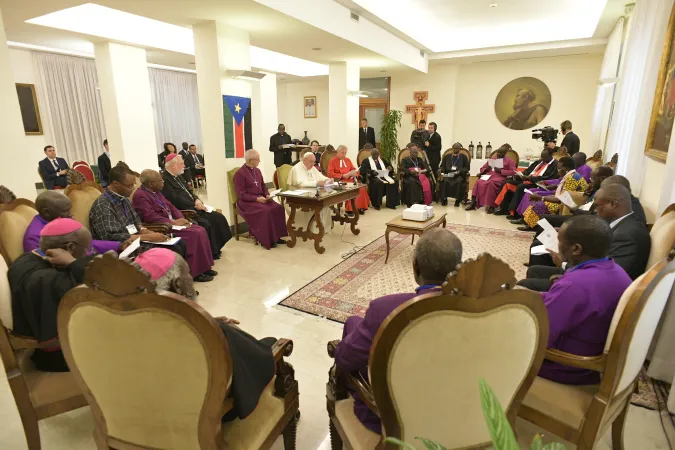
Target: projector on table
{"type": "Point", "coordinates": [418, 213]}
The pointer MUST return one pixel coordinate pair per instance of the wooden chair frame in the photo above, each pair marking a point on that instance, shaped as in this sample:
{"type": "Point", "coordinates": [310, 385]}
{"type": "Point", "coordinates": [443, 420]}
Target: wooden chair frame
{"type": "Point", "coordinates": [511, 154]}
{"type": "Point", "coordinates": [11, 207]}
{"type": "Point", "coordinates": [85, 170]}
{"type": "Point", "coordinates": [56, 188]}
{"type": "Point", "coordinates": [402, 154]}
{"type": "Point", "coordinates": [136, 294]}
{"type": "Point", "coordinates": [466, 153]}
{"type": "Point", "coordinates": [326, 157]}
{"type": "Point", "coordinates": [610, 365]}
{"type": "Point", "coordinates": [470, 289]}
{"type": "Point", "coordinates": [235, 210]}
{"type": "Point", "coordinates": [363, 155]}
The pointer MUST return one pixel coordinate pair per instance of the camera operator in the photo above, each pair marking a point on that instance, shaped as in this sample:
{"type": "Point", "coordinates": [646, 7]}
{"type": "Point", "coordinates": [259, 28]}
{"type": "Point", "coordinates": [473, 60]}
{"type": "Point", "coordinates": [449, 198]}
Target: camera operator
{"type": "Point", "coordinates": [550, 145]}
{"type": "Point", "coordinates": [420, 135]}
{"type": "Point", "coordinates": [571, 140]}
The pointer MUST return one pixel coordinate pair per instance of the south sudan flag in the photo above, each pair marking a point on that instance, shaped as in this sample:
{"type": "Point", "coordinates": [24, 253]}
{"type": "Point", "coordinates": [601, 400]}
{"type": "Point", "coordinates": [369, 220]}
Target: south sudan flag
{"type": "Point", "coordinates": [237, 119]}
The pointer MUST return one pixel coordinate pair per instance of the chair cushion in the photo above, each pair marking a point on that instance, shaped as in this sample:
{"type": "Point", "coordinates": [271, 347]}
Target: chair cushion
{"type": "Point", "coordinates": [564, 403]}
{"type": "Point", "coordinates": [5, 298]}
{"type": "Point", "coordinates": [12, 228]}
{"type": "Point", "coordinates": [250, 433]}
{"type": "Point", "coordinates": [82, 201]}
{"type": "Point", "coordinates": [663, 236]}
{"type": "Point", "coordinates": [357, 435]}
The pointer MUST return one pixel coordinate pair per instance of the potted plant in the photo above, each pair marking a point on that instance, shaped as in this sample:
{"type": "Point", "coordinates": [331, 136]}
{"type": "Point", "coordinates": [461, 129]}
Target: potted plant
{"type": "Point", "coordinates": [497, 423]}
{"type": "Point", "coordinates": [391, 122]}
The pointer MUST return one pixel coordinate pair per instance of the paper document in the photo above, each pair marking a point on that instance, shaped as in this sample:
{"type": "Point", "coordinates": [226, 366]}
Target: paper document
{"type": "Point", "coordinates": [178, 227]}
{"type": "Point", "coordinates": [297, 192]}
{"type": "Point", "coordinates": [527, 191]}
{"type": "Point", "coordinates": [549, 239]}
{"type": "Point", "coordinates": [567, 200]}
{"type": "Point", "coordinates": [496, 163]}
{"type": "Point", "coordinates": [288, 146]}
{"type": "Point", "coordinates": [538, 250]}
{"type": "Point", "coordinates": [545, 224]}
{"type": "Point", "coordinates": [384, 173]}
{"type": "Point", "coordinates": [169, 243]}
{"type": "Point", "coordinates": [209, 208]}
{"type": "Point", "coordinates": [485, 177]}
{"type": "Point", "coordinates": [450, 175]}
{"type": "Point", "coordinates": [130, 249]}
{"type": "Point", "coordinates": [519, 174]}
{"type": "Point", "coordinates": [275, 193]}
{"type": "Point", "coordinates": [586, 206]}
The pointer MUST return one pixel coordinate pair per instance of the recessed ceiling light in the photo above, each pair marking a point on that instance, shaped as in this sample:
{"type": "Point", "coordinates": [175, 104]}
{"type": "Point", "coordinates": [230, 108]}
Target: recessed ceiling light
{"type": "Point", "coordinates": [316, 48]}
{"type": "Point", "coordinates": [382, 71]}
{"type": "Point", "coordinates": [493, 5]}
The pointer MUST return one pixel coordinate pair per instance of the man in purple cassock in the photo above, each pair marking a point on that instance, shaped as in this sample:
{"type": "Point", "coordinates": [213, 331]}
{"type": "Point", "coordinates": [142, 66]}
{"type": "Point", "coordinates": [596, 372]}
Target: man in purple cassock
{"type": "Point", "coordinates": [581, 167]}
{"type": "Point", "coordinates": [265, 218]}
{"type": "Point", "coordinates": [53, 205]}
{"type": "Point", "coordinates": [153, 207]}
{"type": "Point", "coordinates": [438, 252]}
{"type": "Point", "coordinates": [581, 303]}
{"type": "Point", "coordinates": [491, 179]}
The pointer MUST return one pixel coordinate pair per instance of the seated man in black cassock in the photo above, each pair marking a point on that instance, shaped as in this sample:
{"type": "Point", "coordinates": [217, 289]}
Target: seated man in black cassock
{"type": "Point", "coordinates": [40, 278]}
{"type": "Point", "coordinates": [379, 186]}
{"type": "Point", "coordinates": [452, 175]}
{"type": "Point", "coordinates": [418, 184]}
{"type": "Point", "coordinates": [252, 359]}
{"type": "Point", "coordinates": [176, 191]}
{"type": "Point", "coordinates": [513, 191]}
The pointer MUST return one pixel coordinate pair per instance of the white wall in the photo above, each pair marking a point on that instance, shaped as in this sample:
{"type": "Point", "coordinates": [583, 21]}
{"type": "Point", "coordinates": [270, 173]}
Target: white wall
{"type": "Point", "coordinates": [21, 62]}
{"type": "Point", "coordinates": [572, 81]}
{"type": "Point", "coordinates": [650, 194]}
{"type": "Point", "coordinates": [291, 109]}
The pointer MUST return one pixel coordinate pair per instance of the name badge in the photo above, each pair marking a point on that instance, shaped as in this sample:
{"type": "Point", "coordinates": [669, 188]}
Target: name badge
{"type": "Point", "coordinates": [454, 167]}
{"type": "Point", "coordinates": [132, 229]}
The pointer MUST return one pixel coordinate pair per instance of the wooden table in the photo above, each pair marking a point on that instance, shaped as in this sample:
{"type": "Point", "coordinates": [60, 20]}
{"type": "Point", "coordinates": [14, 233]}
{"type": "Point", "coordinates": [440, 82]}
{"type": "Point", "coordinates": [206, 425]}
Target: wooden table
{"type": "Point", "coordinates": [401, 226]}
{"type": "Point", "coordinates": [310, 202]}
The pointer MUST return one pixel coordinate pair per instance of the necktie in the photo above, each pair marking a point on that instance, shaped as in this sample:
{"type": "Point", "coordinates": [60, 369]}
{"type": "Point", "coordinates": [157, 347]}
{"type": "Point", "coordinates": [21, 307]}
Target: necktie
{"type": "Point", "coordinates": [56, 164]}
{"type": "Point", "coordinates": [377, 164]}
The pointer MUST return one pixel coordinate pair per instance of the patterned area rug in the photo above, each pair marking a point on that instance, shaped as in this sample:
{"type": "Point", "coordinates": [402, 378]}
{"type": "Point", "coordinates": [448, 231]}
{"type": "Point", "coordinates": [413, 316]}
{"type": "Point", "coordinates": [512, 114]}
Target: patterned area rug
{"type": "Point", "coordinates": [651, 394]}
{"type": "Point", "coordinates": [347, 289]}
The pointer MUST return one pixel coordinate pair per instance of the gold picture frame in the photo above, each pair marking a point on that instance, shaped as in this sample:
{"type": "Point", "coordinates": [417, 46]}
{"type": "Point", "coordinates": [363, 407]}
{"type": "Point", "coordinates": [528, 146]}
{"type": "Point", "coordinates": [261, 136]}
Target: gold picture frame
{"type": "Point", "coordinates": [663, 110]}
{"type": "Point", "coordinates": [309, 107]}
{"type": "Point", "coordinates": [30, 111]}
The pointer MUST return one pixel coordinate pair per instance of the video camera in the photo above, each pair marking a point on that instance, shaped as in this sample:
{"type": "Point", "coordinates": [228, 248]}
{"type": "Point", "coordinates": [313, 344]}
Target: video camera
{"type": "Point", "coordinates": [546, 134]}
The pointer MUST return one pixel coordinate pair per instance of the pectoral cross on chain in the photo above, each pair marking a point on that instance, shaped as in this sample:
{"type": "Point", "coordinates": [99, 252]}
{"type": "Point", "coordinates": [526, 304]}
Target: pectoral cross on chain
{"type": "Point", "coordinates": [255, 182]}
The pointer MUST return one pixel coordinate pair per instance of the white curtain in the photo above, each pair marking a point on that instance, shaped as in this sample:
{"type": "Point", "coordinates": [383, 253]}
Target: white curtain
{"type": "Point", "coordinates": [176, 106]}
{"type": "Point", "coordinates": [67, 90]}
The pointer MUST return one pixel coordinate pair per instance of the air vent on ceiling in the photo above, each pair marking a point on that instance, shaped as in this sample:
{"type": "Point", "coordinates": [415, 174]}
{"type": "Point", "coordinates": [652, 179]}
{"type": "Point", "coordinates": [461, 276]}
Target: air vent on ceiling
{"type": "Point", "coordinates": [355, 17]}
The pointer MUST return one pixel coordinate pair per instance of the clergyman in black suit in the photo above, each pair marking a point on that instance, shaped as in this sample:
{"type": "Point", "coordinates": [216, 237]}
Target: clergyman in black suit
{"type": "Point", "coordinates": [281, 156]}
{"type": "Point", "coordinates": [366, 134]}
{"type": "Point", "coordinates": [570, 141]}
{"type": "Point", "coordinates": [631, 243]}
{"type": "Point", "coordinates": [53, 169]}
{"type": "Point", "coordinates": [433, 146]}
{"type": "Point", "coordinates": [104, 165]}
{"type": "Point", "coordinates": [177, 193]}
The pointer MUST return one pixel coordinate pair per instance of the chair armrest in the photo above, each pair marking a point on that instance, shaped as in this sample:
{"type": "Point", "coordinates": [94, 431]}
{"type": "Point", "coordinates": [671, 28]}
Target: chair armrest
{"type": "Point", "coordinates": [363, 391]}
{"type": "Point", "coordinates": [596, 363]}
{"type": "Point", "coordinates": [284, 383]}
{"type": "Point", "coordinates": [164, 228]}
{"type": "Point", "coordinates": [188, 213]}
{"type": "Point", "coordinates": [282, 347]}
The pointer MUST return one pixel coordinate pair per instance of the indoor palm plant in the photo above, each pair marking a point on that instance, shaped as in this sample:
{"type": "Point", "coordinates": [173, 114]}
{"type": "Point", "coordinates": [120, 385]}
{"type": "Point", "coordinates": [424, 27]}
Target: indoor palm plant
{"type": "Point", "coordinates": [391, 122]}
{"type": "Point", "coordinates": [497, 423]}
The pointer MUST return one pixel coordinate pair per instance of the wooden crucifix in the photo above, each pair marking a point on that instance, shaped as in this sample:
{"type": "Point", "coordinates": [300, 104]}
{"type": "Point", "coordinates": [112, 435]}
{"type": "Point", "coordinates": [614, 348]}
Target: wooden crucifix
{"type": "Point", "coordinates": [420, 110]}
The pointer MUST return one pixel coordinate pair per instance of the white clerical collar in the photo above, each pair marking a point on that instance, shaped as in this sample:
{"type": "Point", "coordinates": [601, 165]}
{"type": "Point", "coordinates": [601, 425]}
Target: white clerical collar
{"type": "Point", "coordinates": [618, 221]}
{"type": "Point", "coordinates": [343, 163]}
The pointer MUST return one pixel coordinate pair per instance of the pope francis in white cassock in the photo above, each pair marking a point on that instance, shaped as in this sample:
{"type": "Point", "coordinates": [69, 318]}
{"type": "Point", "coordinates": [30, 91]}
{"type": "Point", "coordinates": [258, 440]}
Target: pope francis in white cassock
{"type": "Point", "coordinates": [305, 175]}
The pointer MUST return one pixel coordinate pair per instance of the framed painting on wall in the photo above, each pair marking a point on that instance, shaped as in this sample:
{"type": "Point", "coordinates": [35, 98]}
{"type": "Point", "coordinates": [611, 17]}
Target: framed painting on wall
{"type": "Point", "coordinates": [663, 110]}
{"type": "Point", "coordinates": [310, 107]}
{"type": "Point", "coordinates": [30, 112]}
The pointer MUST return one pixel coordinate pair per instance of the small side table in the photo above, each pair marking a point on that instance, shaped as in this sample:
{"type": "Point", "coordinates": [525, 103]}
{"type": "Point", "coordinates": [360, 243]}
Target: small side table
{"type": "Point", "coordinates": [401, 226]}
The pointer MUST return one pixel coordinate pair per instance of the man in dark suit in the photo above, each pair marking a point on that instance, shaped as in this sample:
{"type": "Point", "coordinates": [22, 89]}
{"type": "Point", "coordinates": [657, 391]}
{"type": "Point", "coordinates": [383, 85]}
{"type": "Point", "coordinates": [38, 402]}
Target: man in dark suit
{"type": "Point", "coordinates": [281, 156]}
{"type": "Point", "coordinates": [631, 242]}
{"type": "Point", "coordinates": [433, 146]}
{"type": "Point", "coordinates": [104, 165]}
{"type": "Point", "coordinates": [177, 193]}
{"type": "Point", "coordinates": [194, 160]}
{"type": "Point", "coordinates": [571, 140]}
{"type": "Point", "coordinates": [53, 169]}
{"type": "Point", "coordinates": [366, 134]}
{"type": "Point", "coordinates": [189, 175]}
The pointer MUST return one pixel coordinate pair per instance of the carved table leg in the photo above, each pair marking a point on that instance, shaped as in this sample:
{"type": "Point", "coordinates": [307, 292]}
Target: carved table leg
{"type": "Point", "coordinates": [289, 226]}
{"type": "Point", "coordinates": [355, 219]}
{"type": "Point", "coordinates": [386, 239]}
{"type": "Point", "coordinates": [319, 237]}
{"type": "Point", "coordinates": [335, 439]}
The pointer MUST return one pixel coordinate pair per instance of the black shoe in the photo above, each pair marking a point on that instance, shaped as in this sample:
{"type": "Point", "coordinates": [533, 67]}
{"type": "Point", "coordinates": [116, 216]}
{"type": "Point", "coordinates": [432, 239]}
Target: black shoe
{"type": "Point", "coordinates": [273, 246]}
{"type": "Point", "coordinates": [501, 212]}
{"type": "Point", "coordinates": [211, 273]}
{"type": "Point", "coordinates": [514, 218]}
{"type": "Point", "coordinates": [517, 222]}
{"type": "Point", "coordinates": [203, 278]}
{"type": "Point", "coordinates": [362, 211]}
{"type": "Point", "coordinates": [471, 207]}
{"type": "Point", "coordinates": [349, 214]}
{"type": "Point", "coordinates": [489, 210]}
{"type": "Point", "coordinates": [377, 208]}
{"type": "Point", "coordinates": [526, 228]}
{"type": "Point", "coordinates": [444, 203]}
{"type": "Point", "coordinates": [280, 242]}
{"type": "Point", "coordinates": [457, 203]}
{"type": "Point", "coordinates": [216, 256]}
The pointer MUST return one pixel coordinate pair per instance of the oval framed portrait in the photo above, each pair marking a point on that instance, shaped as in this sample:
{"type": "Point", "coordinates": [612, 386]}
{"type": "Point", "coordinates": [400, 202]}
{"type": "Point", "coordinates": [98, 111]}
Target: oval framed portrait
{"type": "Point", "coordinates": [523, 103]}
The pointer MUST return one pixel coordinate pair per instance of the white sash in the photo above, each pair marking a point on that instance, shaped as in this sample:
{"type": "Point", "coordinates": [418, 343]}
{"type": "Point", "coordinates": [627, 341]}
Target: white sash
{"type": "Point", "coordinates": [373, 167]}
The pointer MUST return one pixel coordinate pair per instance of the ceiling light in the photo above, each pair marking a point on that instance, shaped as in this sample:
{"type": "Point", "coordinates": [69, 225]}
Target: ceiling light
{"type": "Point", "coordinates": [112, 24]}
{"type": "Point", "coordinates": [246, 75]}
{"type": "Point", "coordinates": [493, 5]}
{"type": "Point", "coordinates": [316, 48]}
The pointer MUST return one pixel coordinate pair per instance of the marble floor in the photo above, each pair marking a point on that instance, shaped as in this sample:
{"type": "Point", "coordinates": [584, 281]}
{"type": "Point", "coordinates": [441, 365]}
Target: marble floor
{"type": "Point", "coordinates": [251, 283]}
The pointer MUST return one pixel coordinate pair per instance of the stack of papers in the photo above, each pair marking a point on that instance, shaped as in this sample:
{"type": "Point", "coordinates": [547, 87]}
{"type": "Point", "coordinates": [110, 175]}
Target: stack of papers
{"type": "Point", "coordinates": [169, 243]}
{"type": "Point", "coordinates": [496, 163]}
{"type": "Point", "coordinates": [586, 206]}
{"type": "Point", "coordinates": [485, 177]}
{"type": "Point", "coordinates": [548, 238]}
{"type": "Point", "coordinates": [178, 227]}
{"type": "Point", "coordinates": [567, 200]}
{"type": "Point", "coordinates": [275, 193]}
{"type": "Point", "coordinates": [297, 192]}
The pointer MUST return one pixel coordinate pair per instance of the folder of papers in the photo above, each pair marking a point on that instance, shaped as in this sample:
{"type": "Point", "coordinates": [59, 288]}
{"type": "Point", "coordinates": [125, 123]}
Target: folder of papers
{"type": "Point", "coordinates": [496, 163]}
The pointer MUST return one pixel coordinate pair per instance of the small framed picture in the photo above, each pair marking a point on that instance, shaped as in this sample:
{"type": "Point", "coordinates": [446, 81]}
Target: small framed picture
{"type": "Point", "coordinates": [310, 107]}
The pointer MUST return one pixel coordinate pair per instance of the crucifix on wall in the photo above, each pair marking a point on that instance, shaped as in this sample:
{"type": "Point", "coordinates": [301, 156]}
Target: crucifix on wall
{"type": "Point", "coordinates": [420, 110]}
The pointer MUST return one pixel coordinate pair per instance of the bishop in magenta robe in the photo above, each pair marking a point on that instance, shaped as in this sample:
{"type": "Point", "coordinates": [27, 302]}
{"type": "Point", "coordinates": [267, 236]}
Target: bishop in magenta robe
{"type": "Point", "coordinates": [485, 191]}
{"type": "Point", "coordinates": [265, 218]}
{"type": "Point", "coordinates": [31, 239]}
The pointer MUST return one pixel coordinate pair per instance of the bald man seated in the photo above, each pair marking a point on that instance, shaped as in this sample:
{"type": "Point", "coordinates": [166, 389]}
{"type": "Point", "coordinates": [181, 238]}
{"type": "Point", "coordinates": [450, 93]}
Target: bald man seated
{"type": "Point", "coordinates": [40, 278]}
{"type": "Point", "coordinates": [54, 205]}
{"type": "Point", "coordinates": [438, 252]}
{"type": "Point", "coordinates": [252, 359]}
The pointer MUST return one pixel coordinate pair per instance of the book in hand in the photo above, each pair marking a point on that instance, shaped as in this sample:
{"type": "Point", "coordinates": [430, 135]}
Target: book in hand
{"type": "Point", "coordinates": [287, 146]}
{"type": "Point", "coordinates": [168, 243]}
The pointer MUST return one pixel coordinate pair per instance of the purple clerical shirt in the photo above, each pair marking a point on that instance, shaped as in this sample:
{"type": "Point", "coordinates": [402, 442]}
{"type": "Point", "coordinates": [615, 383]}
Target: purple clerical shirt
{"type": "Point", "coordinates": [585, 172]}
{"type": "Point", "coordinates": [352, 353]}
{"type": "Point", "coordinates": [31, 239]}
{"type": "Point", "coordinates": [580, 307]}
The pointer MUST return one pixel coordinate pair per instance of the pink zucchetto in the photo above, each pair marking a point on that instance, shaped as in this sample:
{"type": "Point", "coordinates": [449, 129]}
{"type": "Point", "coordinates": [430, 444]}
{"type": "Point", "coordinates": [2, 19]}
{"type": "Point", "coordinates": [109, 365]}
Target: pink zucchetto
{"type": "Point", "coordinates": [156, 261]}
{"type": "Point", "coordinates": [170, 157]}
{"type": "Point", "coordinates": [61, 226]}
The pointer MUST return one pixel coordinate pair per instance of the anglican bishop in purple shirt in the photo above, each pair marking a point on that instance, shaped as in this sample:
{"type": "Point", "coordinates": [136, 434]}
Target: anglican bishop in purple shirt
{"type": "Point", "coordinates": [437, 253]}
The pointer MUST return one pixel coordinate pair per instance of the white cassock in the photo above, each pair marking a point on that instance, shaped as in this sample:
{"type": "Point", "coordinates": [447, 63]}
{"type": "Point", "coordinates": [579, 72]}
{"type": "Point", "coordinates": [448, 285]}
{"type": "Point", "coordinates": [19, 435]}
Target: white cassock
{"type": "Point", "coordinates": [301, 176]}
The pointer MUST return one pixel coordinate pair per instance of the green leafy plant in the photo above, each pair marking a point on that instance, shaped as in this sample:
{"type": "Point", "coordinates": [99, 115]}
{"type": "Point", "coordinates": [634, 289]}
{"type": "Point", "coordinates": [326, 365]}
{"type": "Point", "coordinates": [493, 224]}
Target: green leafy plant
{"type": "Point", "coordinates": [498, 425]}
{"type": "Point", "coordinates": [391, 122]}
